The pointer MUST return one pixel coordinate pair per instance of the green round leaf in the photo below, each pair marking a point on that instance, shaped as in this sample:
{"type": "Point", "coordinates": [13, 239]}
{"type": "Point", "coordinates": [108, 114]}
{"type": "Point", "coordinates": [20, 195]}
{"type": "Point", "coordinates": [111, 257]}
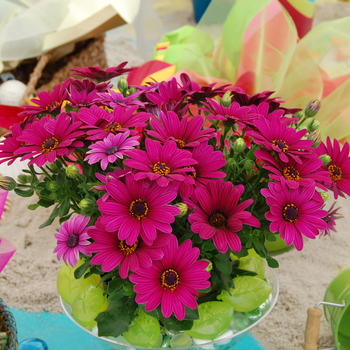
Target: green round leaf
{"type": "Point", "coordinates": [253, 264]}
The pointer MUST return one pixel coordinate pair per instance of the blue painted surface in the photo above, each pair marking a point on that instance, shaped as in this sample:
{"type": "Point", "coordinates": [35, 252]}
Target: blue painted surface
{"type": "Point", "coordinates": [62, 334]}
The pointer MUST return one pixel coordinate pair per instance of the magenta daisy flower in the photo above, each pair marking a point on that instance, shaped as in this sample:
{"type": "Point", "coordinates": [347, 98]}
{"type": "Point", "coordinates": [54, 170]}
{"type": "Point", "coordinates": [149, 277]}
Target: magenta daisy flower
{"type": "Point", "coordinates": [330, 220]}
{"type": "Point", "coordinates": [207, 168]}
{"type": "Point", "coordinates": [109, 149]}
{"type": "Point", "coordinates": [114, 99]}
{"type": "Point", "coordinates": [82, 99]}
{"type": "Point", "coordinates": [307, 173]}
{"type": "Point", "coordinates": [173, 281]}
{"type": "Point", "coordinates": [100, 75]}
{"type": "Point", "coordinates": [218, 215]}
{"type": "Point", "coordinates": [294, 213]}
{"type": "Point", "coordinates": [48, 139]}
{"type": "Point", "coordinates": [48, 102]}
{"type": "Point", "coordinates": [72, 239]}
{"type": "Point", "coordinates": [285, 141]}
{"type": "Point", "coordinates": [161, 163]}
{"type": "Point", "coordinates": [186, 133]}
{"type": "Point", "coordinates": [135, 209]}
{"type": "Point", "coordinates": [113, 252]}
{"type": "Point", "coordinates": [338, 168]}
{"type": "Point", "coordinates": [89, 86]}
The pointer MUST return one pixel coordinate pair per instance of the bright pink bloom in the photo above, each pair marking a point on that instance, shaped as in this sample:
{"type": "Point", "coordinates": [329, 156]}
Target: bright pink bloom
{"type": "Point", "coordinates": [173, 281]}
{"type": "Point", "coordinates": [48, 139]}
{"type": "Point", "coordinates": [330, 220]}
{"type": "Point", "coordinates": [135, 209]}
{"type": "Point", "coordinates": [294, 213]}
{"type": "Point", "coordinates": [186, 133]}
{"type": "Point", "coordinates": [207, 168]}
{"type": "Point", "coordinates": [218, 215]}
{"type": "Point", "coordinates": [89, 85]}
{"type": "Point", "coordinates": [338, 168]}
{"type": "Point", "coordinates": [306, 174]}
{"type": "Point", "coordinates": [109, 149]}
{"type": "Point", "coordinates": [113, 252]}
{"type": "Point", "coordinates": [100, 75]}
{"type": "Point", "coordinates": [161, 163]}
{"type": "Point", "coordinates": [83, 98]}
{"type": "Point", "coordinates": [72, 239]}
{"type": "Point", "coordinates": [114, 99]}
{"type": "Point", "coordinates": [285, 141]}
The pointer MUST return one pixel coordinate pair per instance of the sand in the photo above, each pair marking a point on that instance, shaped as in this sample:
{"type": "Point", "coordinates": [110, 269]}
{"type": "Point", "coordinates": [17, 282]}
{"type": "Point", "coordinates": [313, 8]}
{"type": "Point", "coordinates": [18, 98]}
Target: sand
{"type": "Point", "coordinates": [29, 280]}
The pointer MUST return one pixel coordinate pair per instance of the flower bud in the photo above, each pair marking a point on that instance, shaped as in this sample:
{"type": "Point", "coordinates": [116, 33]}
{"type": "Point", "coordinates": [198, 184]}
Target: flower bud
{"type": "Point", "coordinates": [210, 266]}
{"type": "Point", "coordinates": [87, 205]}
{"type": "Point", "coordinates": [54, 168]}
{"type": "Point", "coordinates": [313, 125]}
{"type": "Point", "coordinates": [249, 164]}
{"type": "Point", "coordinates": [325, 159]}
{"type": "Point", "coordinates": [122, 85]}
{"type": "Point", "coordinates": [183, 209]}
{"type": "Point", "coordinates": [312, 108]}
{"type": "Point", "coordinates": [132, 90]}
{"type": "Point", "coordinates": [299, 114]}
{"type": "Point", "coordinates": [72, 171]}
{"type": "Point", "coordinates": [7, 183]}
{"type": "Point", "coordinates": [53, 186]}
{"type": "Point", "coordinates": [239, 145]}
{"type": "Point", "coordinates": [226, 100]}
{"type": "Point", "coordinates": [22, 179]}
{"type": "Point", "coordinates": [325, 196]}
{"type": "Point", "coordinates": [315, 137]}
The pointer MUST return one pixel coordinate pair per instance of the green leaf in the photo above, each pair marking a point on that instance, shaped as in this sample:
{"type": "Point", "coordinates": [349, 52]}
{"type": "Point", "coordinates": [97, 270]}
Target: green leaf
{"type": "Point", "coordinates": [220, 281]}
{"type": "Point", "coordinates": [244, 252]}
{"type": "Point", "coordinates": [153, 313]}
{"type": "Point", "coordinates": [45, 203]}
{"type": "Point", "coordinates": [80, 271]}
{"type": "Point", "coordinates": [206, 290]}
{"type": "Point", "coordinates": [191, 314]}
{"type": "Point", "coordinates": [116, 296]}
{"type": "Point", "coordinates": [241, 272]}
{"type": "Point", "coordinates": [249, 293]}
{"type": "Point", "coordinates": [272, 262]}
{"type": "Point", "coordinates": [115, 285]}
{"type": "Point", "coordinates": [51, 218]}
{"type": "Point", "coordinates": [117, 318]}
{"type": "Point", "coordinates": [24, 193]}
{"type": "Point", "coordinates": [223, 266]}
{"type": "Point", "coordinates": [253, 264]}
{"type": "Point", "coordinates": [225, 256]}
{"type": "Point", "coordinates": [61, 178]}
{"type": "Point", "coordinates": [271, 237]}
{"type": "Point", "coordinates": [173, 324]}
{"type": "Point", "coordinates": [65, 218]}
{"type": "Point", "coordinates": [64, 207]}
{"type": "Point", "coordinates": [33, 206]}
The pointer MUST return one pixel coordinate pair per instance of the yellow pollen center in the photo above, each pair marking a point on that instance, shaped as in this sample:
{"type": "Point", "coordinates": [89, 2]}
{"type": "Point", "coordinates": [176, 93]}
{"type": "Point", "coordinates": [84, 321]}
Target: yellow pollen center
{"type": "Point", "coordinates": [281, 145]}
{"type": "Point", "coordinates": [181, 143]}
{"type": "Point", "coordinates": [138, 209]}
{"type": "Point", "coordinates": [191, 173]}
{"type": "Point", "coordinates": [335, 172]}
{"type": "Point", "coordinates": [169, 279]}
{"type": "Point", "coordinates": [128, 249]}
{"type": "Point", "coordinates": [113, 127]}
{"type": "Point", "coordinates": [290, 213]}
{"type": "Point", "coordinates": [161, 169]}
{"type": "Point", "coordinates": [52, 105]}
{"type": "Point", "coordinates": [49, 145]}
{"type": "Point", "coordinates": [218, 220]}
{"type": "Point", "coordinates": [291, 173]}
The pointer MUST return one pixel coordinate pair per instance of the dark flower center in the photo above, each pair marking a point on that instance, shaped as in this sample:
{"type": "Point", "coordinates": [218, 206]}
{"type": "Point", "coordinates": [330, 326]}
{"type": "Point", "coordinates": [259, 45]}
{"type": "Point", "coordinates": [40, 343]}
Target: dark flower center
{"type": "Point", "coordinates": [138, 209]}
{"type": "Point", "coordinates": [128, 249]}
{"type": "Point", "coordinates": [111, 150]}
{"type": "Point", "coordinates": [73, 240]}
{"type": "Point", "coordinates": [191, 173]}
{"type": "Point", "coordinates": [161, 169]}
{"type": "Point", "coordinates": [335, 172]}
{"type": "Point", "coordinates": [82, 137]}
{"type": "Point", "coordinates": [52, 106]}
{"type": "Point", "coordinates": [113, 127]}
{"type": "Point", "coordinates": [230, 119]}
{"type": "Point", "coordinates": [218, 220]}
{"type": "Point", "coordinates": [49, 145]}
{"type": "Point", "coordinates": [281, 145]}
{"type": "Point", "coordinates": [290, 213]}
{"type": "Point", "coordinates": [180, 143]}
{"type": "Point", "coordinates": [169, 279]}
{"type": "Point", "coordinates": [84, 103]}
{"type": "Point", "coordinates": [291, 173]}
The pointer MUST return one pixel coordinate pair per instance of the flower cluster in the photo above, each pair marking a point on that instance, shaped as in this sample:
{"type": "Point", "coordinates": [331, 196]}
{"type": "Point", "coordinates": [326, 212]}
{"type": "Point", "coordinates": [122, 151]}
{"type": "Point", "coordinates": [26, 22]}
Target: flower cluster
{"type": "Point", "coordinates": [158, 186]}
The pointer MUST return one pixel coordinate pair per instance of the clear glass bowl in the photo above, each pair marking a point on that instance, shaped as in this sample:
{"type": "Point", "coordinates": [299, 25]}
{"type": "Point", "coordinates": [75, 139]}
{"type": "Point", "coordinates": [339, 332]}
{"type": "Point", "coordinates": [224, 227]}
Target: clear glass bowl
{"type": "Point", "coordinates": [223, 344]}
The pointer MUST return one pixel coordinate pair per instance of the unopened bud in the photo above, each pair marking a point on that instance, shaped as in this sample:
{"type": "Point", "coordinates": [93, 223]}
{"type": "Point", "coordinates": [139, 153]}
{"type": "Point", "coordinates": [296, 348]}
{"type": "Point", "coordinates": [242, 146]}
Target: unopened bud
{"type": "Point", "coordinates": [210, 266]}
{"type": "Point", "coordinates": [22, 179]}
{"type": "Point", "coordinates": [132, 90]}
{"type": "Point", "coordinates": [299, 114]}
{"type": "Point", "coordinates": [313, 125]}
{"type": "Point", "coordinates": [54, 168]}
{"type": "Point", "coordinates": [249, 164]}
{"type": "Point", "coordinates": [324, 196]}
{"type": "Point", "coordinates": [183, 209]}
{"type": "Point", "coordinates": [315, 137]}
{"type": "Point", "coordinates": [72, 171]}
{"type": "Point", "coordinates": [122, 85]}
{"type": "Point", "coordinates": [7, 183]}
{"type": "Point", "coordinates": [226, 100]}
{"type": "Point", "coordinates": [239, 145]}
{"type": "Point", "coordinates": [87, 204]}
{"type": "Point", "coordinates": [312, 108]}
{"type": "Point", "coordinates": [53, 186]}
{"type": "Point", "coordinates": [325, 159]}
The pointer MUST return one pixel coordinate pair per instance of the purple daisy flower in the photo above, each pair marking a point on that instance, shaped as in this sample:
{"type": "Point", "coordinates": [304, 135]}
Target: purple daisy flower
{"type": "Point", "coordinates": [330, 220]}
{"type": "Point", "coordinates": [207, 168]}
{"type": "Point", "coordinates": [338, 168]}
{"type": "Point", "coordinates": [294, 213]}
{"type": "Point", "coordinates": [186, 133]}
{"type": "Point", "coordinates": [285, 141]}
{"type": "Point", "coordinates": [161, 163]}
{"type": "Point", "coordinates": [48, 139]}
{"type": "Point", "coordinates": [82, 99]}
{"type": "Point", "coordinates": [218, 215]}
{"type": "Point", "coordinates": [109, 149]}
{"type": "Point", "coordinates": [113, 252]}
{"type": "Point", "coordinates": [173, 281]}
{"type": "Point", "coordinates": [48, 102]}
{"type": "Point", "coordinates": [305, 174]}
{"type": "Point", "coordinates": [135, 209]}
{"type": "Point", "coordinates": [100, 75]}
{"type": "Point", "coordinates": [89, 86]}
{"type": "Point", "coordinates": [114, 99]}
{"type": "Point", "coordinates": [72, 239]}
